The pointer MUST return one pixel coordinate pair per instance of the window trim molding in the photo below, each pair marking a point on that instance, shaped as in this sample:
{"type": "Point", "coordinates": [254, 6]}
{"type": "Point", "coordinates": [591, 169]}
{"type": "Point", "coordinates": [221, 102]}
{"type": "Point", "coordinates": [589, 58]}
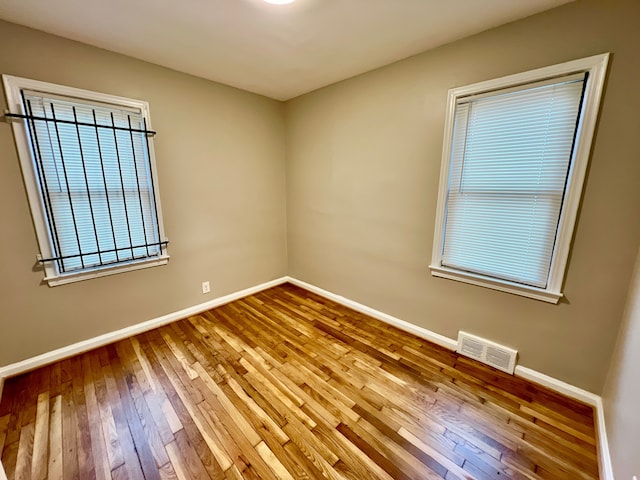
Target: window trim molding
{"type": "Point", "coordinates": [596, 66]}
{"type": "Point", "coordinates": [106, 270]}
{"type": "Point", "coordinates": [12, 88]}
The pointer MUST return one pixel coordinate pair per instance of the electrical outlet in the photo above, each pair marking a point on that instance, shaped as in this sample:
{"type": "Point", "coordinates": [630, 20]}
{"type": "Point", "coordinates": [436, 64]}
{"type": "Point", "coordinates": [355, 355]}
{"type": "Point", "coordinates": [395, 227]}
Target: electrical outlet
{"type": "Point", "coordinates": [206, 287]}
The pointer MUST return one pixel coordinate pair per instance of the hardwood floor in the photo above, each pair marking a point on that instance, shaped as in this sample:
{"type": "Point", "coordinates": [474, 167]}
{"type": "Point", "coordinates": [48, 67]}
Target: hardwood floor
{"type": "Point", "coordinates": [286, 385]}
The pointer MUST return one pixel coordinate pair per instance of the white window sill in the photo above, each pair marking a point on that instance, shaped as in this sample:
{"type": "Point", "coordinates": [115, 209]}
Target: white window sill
{"type": "Point", "coordinates": [496, 284]}
{"type": "Point", "coordinates": [56, 280]}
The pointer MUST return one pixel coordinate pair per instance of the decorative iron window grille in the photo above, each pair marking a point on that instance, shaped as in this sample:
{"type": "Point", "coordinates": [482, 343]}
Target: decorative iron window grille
{"type": "Point", "coordinates": [93, 169]}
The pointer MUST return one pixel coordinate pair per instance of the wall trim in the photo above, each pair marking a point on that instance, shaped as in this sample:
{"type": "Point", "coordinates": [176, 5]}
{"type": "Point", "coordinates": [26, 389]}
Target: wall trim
{"type": "Point", "coordinates": [85, 345]}
{"type": "Point", "coordinates": [421, 332]}
{"type": "Point", "coordinates": [604, 456]}
{"type": "Point", "coordinates": [606, 470]}
{"type": "Point", "coordinates": [557, 385]}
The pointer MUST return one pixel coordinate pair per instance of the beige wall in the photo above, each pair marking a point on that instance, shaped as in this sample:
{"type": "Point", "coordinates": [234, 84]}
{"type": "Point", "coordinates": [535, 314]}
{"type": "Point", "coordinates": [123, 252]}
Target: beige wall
{"type": "Point", "coordinates": [621, 395]}
{"type": "Point", "coordinates": [363, 159]}
{"type": "Point", "coordinates": [220, 158]}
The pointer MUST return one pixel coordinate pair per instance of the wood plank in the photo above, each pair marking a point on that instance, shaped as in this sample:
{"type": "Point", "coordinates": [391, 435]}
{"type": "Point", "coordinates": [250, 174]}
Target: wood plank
{"type": "Point", "coordinates": [124, 381]}
{"type": "Point", "coordinates": [272, 461]}
{"type": "Point", "coordinates": [190, 436]}
{"type": "Point", "coordinates": [111, 440]}
{"type": "Point", "coordinates": [130, 456]}
{"type": "Point", "coordinates": [41, 439]}
{"type": "Point", "coordinates": [25, 449]}
{"type": "Point", "coordinates": [55, 464]}
{"type": "Point", "coordinates": [86, 467]}
{"type": "Point", "coordinates": [4, 424]}
{"type": "Point", "coordinates": [70, 457]}
{"type": "Point", "coordinates": [98, 447]}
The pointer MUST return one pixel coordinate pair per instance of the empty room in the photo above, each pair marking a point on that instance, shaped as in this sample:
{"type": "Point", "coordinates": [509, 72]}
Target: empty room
{"type": "Point", "coordinates": [320, 239]}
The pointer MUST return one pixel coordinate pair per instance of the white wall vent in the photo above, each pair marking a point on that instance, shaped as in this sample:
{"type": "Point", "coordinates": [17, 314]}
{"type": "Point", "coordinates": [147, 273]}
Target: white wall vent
{"type": "Point", "coordinates": [498, 356]}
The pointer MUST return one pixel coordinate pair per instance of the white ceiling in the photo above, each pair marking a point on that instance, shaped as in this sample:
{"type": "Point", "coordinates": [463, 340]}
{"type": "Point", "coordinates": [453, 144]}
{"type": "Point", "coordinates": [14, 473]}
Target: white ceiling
{"type": "Point", "coordinates": [278, 51]}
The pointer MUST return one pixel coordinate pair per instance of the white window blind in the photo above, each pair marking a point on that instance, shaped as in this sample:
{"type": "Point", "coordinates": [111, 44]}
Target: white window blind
{"type": "Point", "coordinates": [94, 174]}
{"type": "Point", "coordinates": [510, 158]}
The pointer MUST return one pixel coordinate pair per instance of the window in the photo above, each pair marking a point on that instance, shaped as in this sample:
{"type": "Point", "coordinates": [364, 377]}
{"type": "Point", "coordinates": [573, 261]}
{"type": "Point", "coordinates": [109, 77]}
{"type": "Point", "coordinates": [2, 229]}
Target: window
{"type": "Point", "coordinates": [514, 159]}
{"type": "Point", "coordinates": [89, 170]}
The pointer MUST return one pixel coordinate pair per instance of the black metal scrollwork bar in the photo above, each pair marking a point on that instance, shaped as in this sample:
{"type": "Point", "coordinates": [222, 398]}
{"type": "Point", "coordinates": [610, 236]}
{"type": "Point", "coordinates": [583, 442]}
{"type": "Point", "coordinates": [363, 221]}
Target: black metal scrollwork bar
{"type": "Point", "coordinates": [66, 181]}
{"type": "Point", "coordinates": [42, 179]}
{"type": "Point", "coordinates": [124, 197]}
{"type": "Point", "coordinates": [135, 166]}
{"type": "Point", "coordinates": [86, 124]}
{"type": "Point", "coordinates": [100, 252]}
{"type": "Point", "coordinates": [86, 183]}
{"type": "Point", "coordinates": [153, 189]}
{"type": "Point", "coordinates": [104, 181]}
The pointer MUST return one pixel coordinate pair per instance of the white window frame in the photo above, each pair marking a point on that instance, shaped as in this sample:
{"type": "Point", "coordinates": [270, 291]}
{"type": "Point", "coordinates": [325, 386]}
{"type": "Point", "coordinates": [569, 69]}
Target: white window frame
{"type": "Point", "coordinates": [596, 67]}
{"type": "Point", "coordinates": [13, 87]}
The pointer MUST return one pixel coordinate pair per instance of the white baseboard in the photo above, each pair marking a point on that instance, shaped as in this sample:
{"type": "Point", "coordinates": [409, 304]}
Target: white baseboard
{"type": "Point", "coordinates": [557, 385]}
{"type": "Point", "coordinates": [606, 472]}
{"type": "Point", "coordinates": [99, 341]}
{"type": "Point", "coordinates": [434, 337]}
{"type": "Point", "coordinates": [604, 454]}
